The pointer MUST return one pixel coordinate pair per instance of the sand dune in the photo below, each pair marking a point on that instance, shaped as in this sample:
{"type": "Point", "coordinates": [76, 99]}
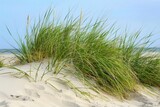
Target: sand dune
{"type": "Point", "coordinates": [56, 91]}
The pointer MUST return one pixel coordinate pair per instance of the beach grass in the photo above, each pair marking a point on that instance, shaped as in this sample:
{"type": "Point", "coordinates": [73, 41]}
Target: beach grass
{"type": "Point", "coordinates": [103, 61]}
{"type": "Point", "coordinates": [98, 59]}
{"type": "Point", "coordinates": [1, 64]}
{"type": "Point", "coordinates": [146, 67]}
{"type": "Point", "coordinates": [148, 71]}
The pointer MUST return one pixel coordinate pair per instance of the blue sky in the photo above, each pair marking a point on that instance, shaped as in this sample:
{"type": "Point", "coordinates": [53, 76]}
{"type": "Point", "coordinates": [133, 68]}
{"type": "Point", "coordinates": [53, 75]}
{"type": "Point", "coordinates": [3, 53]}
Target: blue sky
{"type": "Point", "coordinates": [134, 14]}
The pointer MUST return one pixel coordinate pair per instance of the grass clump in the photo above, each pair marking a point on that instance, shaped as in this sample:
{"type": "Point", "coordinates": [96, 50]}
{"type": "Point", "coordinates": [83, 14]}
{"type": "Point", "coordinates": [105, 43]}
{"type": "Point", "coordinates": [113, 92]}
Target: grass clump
{"type": "Point", "coordinates": [36, 44]}
{"type": "Point", "coordinates": [97, 59]}
{"type": "Point", "coordinates": [146, 67]}
{"type": "Point", "coordinates": [1, 64]}
{"type": "Point", "coordinates": [148, 71]}
{"type": "Point", "coordinates": [47, 38]}
{"type": "Point", "coordinates": [105, 63]}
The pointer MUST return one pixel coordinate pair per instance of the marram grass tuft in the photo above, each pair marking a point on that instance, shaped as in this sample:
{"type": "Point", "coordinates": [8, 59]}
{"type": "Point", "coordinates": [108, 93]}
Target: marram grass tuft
{"type": "Point", "coordinates": [146, 67]}
{"type": "Point", "coordinates": [101, 59]}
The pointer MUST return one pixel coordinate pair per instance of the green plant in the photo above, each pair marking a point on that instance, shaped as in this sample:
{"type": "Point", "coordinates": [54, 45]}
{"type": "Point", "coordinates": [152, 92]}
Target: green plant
{"type": "Point", "coordinates": [97, 59]}
{"type": "Point", "coordinates": [1, 64]}
{"type": "Point", "coordinates": [35, 47]}
{"type": "Point", "coordinates": [146, 67]}
{"type": "Point", "coordinates": [102, 61]}
{"type": "Point", "coordinates": [83, 45]}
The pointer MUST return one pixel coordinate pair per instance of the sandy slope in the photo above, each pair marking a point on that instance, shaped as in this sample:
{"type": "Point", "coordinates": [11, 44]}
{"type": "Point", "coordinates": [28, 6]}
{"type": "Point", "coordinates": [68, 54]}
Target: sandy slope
{"type": "Point", "coordinates": [56, 91]}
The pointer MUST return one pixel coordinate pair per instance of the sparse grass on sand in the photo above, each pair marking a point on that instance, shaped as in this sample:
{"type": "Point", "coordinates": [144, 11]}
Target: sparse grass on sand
{"type": "Point", "coordinates": [104, 62]}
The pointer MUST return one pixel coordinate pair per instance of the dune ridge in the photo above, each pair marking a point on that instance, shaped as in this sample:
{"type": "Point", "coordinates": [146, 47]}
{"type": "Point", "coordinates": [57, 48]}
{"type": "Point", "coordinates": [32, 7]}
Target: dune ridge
{"type": "Point", "coordinates": [55, 91]}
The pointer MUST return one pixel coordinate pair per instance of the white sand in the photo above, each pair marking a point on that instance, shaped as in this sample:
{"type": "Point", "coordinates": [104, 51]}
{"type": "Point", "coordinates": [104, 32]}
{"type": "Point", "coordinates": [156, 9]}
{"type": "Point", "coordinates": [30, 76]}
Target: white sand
{"type": "Point", "coordinates": [20, 92]}
{"type": "Point", "coordinates": [8, 58]}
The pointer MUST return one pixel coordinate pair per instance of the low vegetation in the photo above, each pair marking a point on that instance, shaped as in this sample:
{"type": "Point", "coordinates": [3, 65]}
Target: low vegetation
{"type": "Point", "coordinates": [102, 59]}
{"type": "Point", "coordinates": [146, 67]}
{"type": "Point", "coordinates": [1, 64]}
